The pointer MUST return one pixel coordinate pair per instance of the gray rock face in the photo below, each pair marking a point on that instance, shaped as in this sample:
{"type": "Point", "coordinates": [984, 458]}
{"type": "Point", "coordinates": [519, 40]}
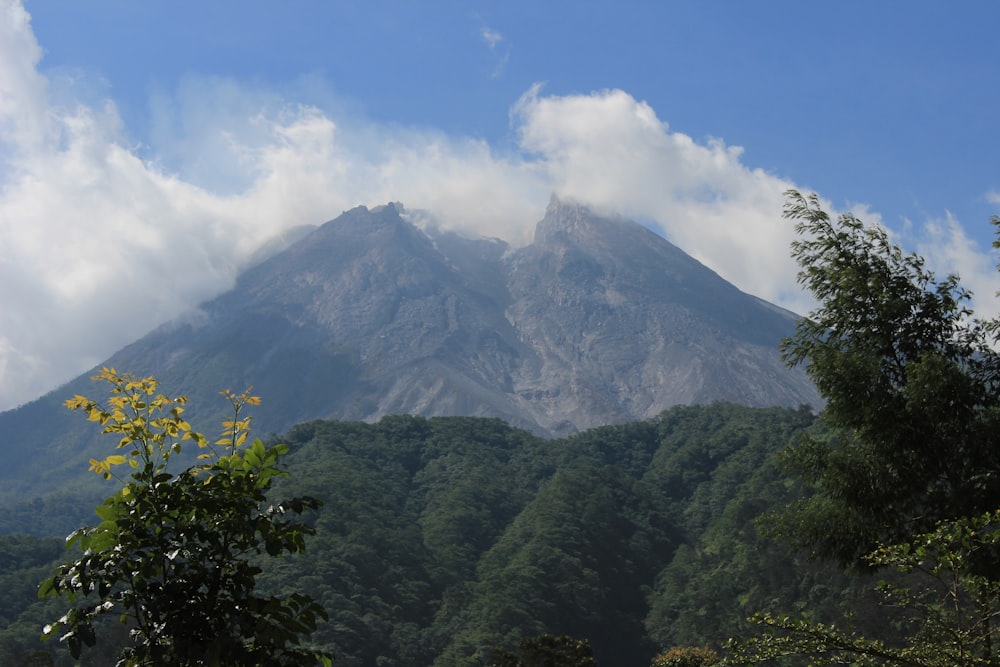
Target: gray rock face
{"type": "Point", "coordinates": [622, 325]}
{"type": "Point", "coordinates": [597, 321]}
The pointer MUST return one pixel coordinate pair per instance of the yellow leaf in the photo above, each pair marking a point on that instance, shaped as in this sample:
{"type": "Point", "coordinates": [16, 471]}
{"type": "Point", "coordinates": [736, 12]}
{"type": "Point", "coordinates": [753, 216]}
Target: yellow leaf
{"type": "Point", "coordinates": [76, 402]}
{"type": "Point", "coordinates": [116, 459]}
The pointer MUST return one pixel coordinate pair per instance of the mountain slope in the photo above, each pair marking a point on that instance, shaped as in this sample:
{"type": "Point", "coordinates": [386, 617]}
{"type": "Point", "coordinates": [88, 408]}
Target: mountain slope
{"type": "Point", "coordinates": [597, 321]}
{"type": "Point", "coordinates": [625, 325]}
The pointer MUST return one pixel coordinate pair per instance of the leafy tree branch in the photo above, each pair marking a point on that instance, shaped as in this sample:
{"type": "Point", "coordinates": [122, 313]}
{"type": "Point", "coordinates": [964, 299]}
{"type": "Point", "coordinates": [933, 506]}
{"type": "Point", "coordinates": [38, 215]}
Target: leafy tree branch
{"type": "Point", "coordinates": [175, 555]}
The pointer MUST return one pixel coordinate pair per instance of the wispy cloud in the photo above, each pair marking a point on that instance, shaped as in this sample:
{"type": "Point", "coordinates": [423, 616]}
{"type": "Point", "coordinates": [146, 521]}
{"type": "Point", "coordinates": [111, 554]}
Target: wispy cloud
{"type": "Point", "coordinates": [102, 241]}
{"type": "Point", "coordinates": [495, 41]}
{"type": "Point", "coordinates": [491, 37]}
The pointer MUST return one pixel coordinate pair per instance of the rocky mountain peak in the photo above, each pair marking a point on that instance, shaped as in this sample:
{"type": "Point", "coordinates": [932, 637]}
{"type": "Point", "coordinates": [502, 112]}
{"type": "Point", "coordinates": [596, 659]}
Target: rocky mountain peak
{"type": "Point", "coordinates": [569, 221]}
{"type": "Point", "coordinates": [598, 321]}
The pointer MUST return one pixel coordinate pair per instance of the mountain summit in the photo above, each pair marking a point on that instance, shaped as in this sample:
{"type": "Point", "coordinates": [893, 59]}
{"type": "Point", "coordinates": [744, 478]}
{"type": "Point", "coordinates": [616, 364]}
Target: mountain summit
{"type": "Point", "coordinates": [597, 321]}
{"type": "Point", "coordinates": [622, 325]}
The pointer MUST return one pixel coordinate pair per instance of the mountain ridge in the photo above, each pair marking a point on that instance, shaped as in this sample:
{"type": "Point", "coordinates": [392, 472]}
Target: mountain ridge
{"type": "Point", "coordinates": [597, 321]}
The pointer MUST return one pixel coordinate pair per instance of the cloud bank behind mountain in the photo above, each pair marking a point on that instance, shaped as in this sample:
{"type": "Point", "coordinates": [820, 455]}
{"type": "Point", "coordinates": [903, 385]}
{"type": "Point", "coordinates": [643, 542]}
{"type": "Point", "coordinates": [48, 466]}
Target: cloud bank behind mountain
{"type": "Point", "coordinates": [104, 235]}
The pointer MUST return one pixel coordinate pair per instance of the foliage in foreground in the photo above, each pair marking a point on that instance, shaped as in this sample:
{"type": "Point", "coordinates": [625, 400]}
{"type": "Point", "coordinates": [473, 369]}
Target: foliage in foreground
{"type": "Point", "coordinates": [952, 608]}
{"type": "Point", "coordinates": [912, 384]}
{"type": "Point", "coordinates": [911, 481]}
{"type": "Point", "coordinates": [174, 554]}
{"type": "Point", "coordinates": [686, 657]}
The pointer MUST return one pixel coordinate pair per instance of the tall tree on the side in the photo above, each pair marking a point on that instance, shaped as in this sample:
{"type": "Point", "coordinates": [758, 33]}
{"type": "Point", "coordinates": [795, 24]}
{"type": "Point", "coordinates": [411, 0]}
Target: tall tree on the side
{"type": "Point", "coordinates": [911, 477]}
{"type": "Point", "coordinates": [912, 385]}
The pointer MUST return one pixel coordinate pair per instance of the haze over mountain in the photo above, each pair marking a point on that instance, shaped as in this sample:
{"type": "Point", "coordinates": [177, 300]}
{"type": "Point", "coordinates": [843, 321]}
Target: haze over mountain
{"type": "Point", "coordinates": [597, 321]}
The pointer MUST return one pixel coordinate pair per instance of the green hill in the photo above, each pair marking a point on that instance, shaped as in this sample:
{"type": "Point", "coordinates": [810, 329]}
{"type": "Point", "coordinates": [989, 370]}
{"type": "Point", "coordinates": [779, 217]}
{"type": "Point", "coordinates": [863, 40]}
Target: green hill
{"type": "Point", "coordinates": [443, 537]}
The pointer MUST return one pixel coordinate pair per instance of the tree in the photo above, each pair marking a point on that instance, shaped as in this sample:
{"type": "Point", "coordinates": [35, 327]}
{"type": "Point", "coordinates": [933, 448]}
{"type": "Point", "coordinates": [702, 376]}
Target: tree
{"type": "Point", "coordinates": [911, 478]}
{"type": "Point", "coordinates": [686, 657]}
{"type": "Point", "coordinates": [950, 608]}
{"type": "Point", "coordinates": [547, 651]}
{"type": "Point", "coordinates": [912, 385]}
{"type": "Point", "coordinates": [175, 555]}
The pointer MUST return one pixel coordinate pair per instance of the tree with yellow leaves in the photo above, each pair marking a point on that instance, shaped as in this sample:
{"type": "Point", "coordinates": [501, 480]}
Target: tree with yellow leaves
{"type": "Point", "coordinates": [174, 554]}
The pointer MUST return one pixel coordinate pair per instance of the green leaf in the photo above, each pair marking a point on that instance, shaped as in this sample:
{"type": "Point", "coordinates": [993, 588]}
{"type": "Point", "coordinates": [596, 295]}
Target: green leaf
{"type": "Point", "coordinates": [107, 511]}
{"type": "Point", "coordinates": [48, 588]}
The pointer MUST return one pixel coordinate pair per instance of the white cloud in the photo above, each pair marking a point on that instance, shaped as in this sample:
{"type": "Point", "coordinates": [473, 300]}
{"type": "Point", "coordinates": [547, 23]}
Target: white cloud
{"type": "Point", "coordinates": [102, 240]}
{"type": "Point", "coordinates": [491, 37]}
{"type": "Point", "coordinates": [948, 249]}
{"type": "Point", "coordinates": [22, 91]}
{"type": "Point", "coordinates": [993, 197]}
{"type": "Point", "coordinates": [612, 150]}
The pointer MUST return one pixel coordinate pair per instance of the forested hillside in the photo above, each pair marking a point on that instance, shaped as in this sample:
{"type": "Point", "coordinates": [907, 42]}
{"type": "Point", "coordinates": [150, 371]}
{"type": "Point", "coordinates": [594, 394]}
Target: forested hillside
{"type": "Point", "coordinates": [441, 538]}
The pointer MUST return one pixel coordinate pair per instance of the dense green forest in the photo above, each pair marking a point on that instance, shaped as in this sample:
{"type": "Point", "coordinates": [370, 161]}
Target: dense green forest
{"type": "Point", "coordinates": [443, 538]}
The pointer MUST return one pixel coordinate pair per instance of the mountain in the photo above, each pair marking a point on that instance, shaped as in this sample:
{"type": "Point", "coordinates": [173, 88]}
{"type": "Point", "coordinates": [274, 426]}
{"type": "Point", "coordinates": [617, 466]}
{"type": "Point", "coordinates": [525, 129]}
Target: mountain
{"type": "Point", "coordinates": [597, 321]}
{"type": "Point", "coordinates": [623, 325]}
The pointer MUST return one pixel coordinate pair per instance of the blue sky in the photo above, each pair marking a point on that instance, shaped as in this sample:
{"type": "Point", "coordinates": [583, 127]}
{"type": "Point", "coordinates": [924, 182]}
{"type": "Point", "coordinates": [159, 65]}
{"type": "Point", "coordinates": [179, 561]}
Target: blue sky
{"type": "Point", "coordinates": [155, 143]}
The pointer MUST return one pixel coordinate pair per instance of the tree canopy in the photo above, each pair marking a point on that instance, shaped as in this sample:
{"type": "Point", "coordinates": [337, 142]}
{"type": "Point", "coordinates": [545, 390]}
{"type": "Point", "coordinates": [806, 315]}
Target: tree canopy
{"type": "Point", "coordinates": [912, 384]}
{"type": "Point", "coordinates": [908, 475]}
